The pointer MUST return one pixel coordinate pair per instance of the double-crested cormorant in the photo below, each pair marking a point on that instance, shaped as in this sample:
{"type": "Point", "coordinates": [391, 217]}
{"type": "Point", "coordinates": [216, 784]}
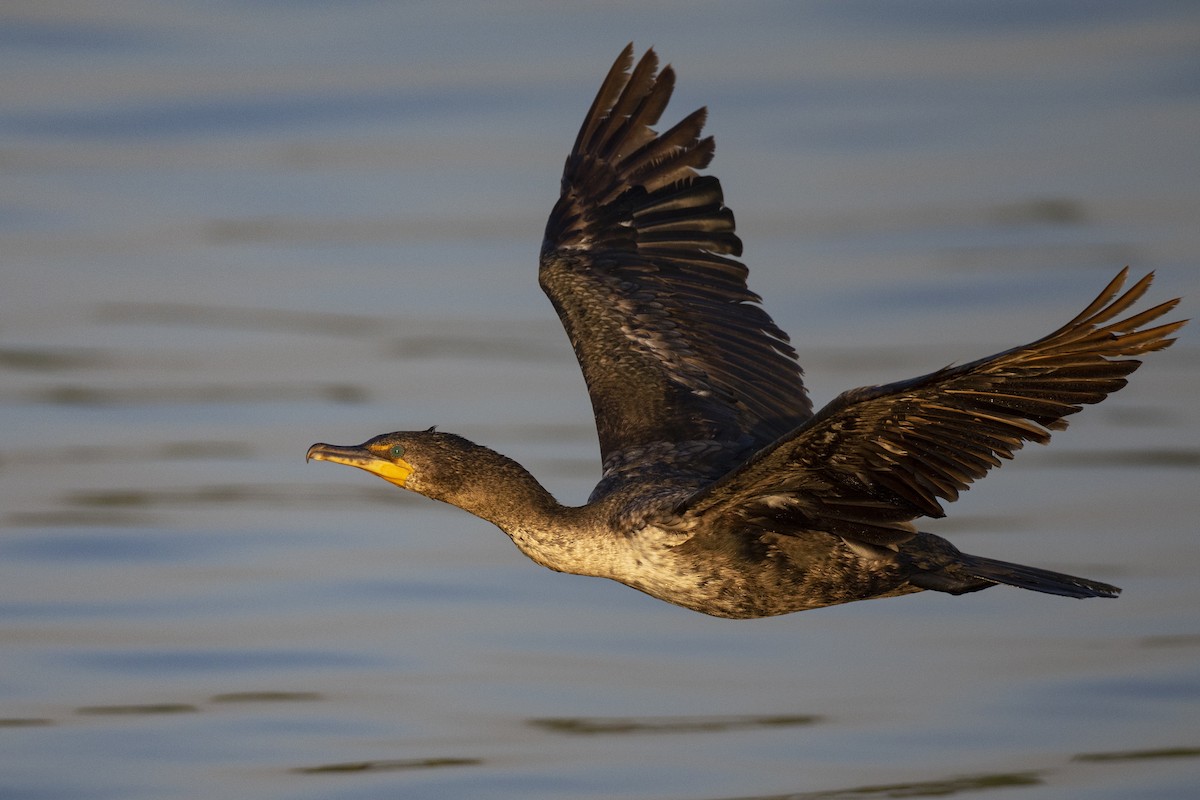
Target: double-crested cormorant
{"type": "Point", "coordinates": [722, 491]}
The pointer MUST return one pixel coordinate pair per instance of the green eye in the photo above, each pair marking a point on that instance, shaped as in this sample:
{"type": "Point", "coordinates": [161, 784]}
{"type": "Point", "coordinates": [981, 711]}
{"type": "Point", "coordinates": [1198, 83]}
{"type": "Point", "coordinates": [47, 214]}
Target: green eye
{"type": "Point", "coordinates": [397, 451]}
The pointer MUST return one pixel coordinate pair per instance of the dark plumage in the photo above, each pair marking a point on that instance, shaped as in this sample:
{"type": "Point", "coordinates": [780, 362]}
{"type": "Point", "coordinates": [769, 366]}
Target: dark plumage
{"type": "Point", "coordinates": [722, 491]}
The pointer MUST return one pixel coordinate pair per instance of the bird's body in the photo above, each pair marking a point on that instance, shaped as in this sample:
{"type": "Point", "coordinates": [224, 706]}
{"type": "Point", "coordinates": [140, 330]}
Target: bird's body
{"type": "Point", "coordinates": [722, 491]}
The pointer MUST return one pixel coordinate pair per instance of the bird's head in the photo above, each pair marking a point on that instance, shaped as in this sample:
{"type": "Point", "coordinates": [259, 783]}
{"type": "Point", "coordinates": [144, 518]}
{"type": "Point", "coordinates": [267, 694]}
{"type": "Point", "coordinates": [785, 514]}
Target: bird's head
{"type": "Point", "coordinates": [428, 462]}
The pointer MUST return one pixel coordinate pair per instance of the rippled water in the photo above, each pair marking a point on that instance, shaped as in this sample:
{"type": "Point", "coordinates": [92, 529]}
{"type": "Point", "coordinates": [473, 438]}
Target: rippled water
{"type": "Point", "coordinates": [230, 230]}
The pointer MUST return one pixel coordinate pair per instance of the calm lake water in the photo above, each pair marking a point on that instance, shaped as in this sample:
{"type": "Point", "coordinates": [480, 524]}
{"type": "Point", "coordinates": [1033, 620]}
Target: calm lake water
{"type": "Point", "coordinates": [228, 230]}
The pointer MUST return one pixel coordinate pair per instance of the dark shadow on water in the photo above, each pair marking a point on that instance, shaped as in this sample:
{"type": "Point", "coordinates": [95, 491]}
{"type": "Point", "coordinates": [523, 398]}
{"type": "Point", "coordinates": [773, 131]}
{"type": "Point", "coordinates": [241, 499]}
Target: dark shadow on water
{"type": "Point", "coordinates": [388, 765]}
{"type": "Point", "coordinates": [160, 663]}
{"type": "Point", "coordinates": [222, 494]}
{"type": "Point", "coordinates": [1005, 259]}
{"type": "Point", "coordinates": [590, 726]}
{"type": "Point", "coordinates": [138, 709]}
{"type": "Point", "coordinates": [244, 113]}
{"type": "Point", "coordinates": [266, 697]}
{"type": "Point", "coordinates": [51, 359]}
{"type": "Point", "coordinates": [402, 229]}
{"type": "Point", "coordinates": [115, 545]}
{"type": "Point", "coordinates": [187, 450]}
{"type": "Point", "coordinates": [989, 523]}
{"type": "Point", "coordinates": [1161, 457]}
{"type": "Point", "coordinates": [889, 362]}
{"type": "Point", "coordinates": [1171, 640]}
{"type": "Point", "coordinates": [1042, 211]}
{"type": "Point", "coordinates": [438, 338]}
{"type": "Point", "coordinates": [256, 319]}
{"type": "Point", "coordinates": [1144, 416]}
{"type": "Point", "coordinates": [130, 507]}
{"type": "Point", "coordinates": [75, 394]}
{"type": "Point", "coordinates": [509, 348]}
{"type": "Point", "coordinates": [166, 709]}
{"type": "Point", "coordinates": [945, 787]}
{"type": "Point", "coordinates": [1140, 755]}
{"type": "Point", "coordinates": [106, 518]}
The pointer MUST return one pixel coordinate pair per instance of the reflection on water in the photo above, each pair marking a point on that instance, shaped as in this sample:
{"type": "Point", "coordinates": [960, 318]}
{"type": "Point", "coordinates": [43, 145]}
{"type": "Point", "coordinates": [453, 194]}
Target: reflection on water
{"type": "Point", "coordinates": [17, 722]}
{"type": "Point", "coordinates": [266, 697]}
{"type": "Point", "coordinates": [1163, 457]}
{"type": "Point", "coordinates": [391, 765]}
{"type": "Point", "coordinates": [592, 725]}
{"type": "Point", "coordinates": [227, 232]}
{"type": "Point", "coordinates": [1142, 755]}
{"type": "Point", "coordinates": [254, 319]}
{"type": "Point", "coordinates": [50, 360]}
{"type": "Point", "coordinates": [947, 787]}
{"type": "Point", "coordinates": [80, 395]}
{"type": "Point", "coordinates": [156, 708]}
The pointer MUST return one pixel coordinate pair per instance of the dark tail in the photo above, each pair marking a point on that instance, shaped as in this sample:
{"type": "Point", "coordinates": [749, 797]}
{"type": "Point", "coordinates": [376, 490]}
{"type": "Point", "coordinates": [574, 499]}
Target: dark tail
{"type": "Point", "coordinates": [989, 571]}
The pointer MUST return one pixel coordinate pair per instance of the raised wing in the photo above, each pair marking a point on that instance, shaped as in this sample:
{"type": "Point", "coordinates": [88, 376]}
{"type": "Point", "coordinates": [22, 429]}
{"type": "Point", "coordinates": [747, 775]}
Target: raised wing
{"type": "Point", "coordinates": [878, 457]}
{"type": "Point", "coordinates": [636, 260]}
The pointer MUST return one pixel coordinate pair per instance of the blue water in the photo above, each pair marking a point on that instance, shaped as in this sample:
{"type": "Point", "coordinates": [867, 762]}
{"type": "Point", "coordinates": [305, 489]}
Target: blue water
{"type": "Point", "coordinates": [228, 230]}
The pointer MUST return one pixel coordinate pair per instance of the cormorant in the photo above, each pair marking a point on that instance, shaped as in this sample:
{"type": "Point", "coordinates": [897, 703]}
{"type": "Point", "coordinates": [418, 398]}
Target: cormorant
{"type": "Point", "coordinates": [722, 491]}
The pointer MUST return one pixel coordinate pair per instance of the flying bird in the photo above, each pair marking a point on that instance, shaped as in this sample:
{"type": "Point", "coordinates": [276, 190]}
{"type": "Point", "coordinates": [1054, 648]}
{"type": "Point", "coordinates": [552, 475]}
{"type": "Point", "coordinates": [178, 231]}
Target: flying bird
{"type": "Point", "coordinates": [722, 491]}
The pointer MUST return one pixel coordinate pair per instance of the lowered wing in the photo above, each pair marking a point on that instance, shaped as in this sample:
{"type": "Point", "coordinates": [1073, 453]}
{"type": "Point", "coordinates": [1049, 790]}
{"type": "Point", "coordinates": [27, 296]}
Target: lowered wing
{"type": "Point", "coordinates": [876, 458]}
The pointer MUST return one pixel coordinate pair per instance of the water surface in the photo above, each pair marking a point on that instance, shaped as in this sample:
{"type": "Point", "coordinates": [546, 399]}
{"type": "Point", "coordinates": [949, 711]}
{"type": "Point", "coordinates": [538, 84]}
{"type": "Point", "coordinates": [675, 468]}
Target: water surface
{"type": "Point", "coordinates": [230, 230]}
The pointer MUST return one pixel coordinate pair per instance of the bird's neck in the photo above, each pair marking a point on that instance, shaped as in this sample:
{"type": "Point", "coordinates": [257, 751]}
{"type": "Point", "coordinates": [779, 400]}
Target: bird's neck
{"type": "Point", "coordinates": [501, 491]}
{"type": "Point", "coordinates": [565, 539]}
{"type": "Point", "coordinates": [504, 493]}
